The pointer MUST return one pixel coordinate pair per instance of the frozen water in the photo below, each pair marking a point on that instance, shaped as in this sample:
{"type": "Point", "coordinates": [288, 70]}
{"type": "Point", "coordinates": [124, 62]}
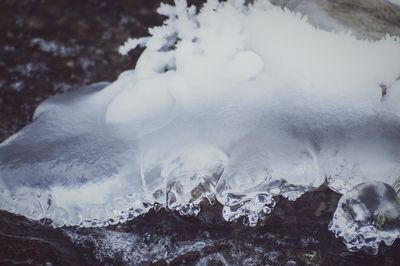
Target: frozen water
{"type": "Point", "coordinates": [367, 215]}
{"type": "Point", "coordinates": [236, 103]}
{"type": "Point", "coordinates": [136, 249]}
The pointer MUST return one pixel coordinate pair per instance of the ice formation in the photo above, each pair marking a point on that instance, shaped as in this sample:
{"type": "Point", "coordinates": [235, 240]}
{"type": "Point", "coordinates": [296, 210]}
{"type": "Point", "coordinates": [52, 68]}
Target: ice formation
{"type": "Point", "coordinates": [238, 103]}
{"type": "Point", "coordinates": [367, 215]}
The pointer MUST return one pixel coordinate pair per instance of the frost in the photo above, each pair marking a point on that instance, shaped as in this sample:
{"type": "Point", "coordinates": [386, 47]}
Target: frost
{"type": "Point", "coordinates": [238, 103]}
{"type": "Point", "coordinates": [131, 44]}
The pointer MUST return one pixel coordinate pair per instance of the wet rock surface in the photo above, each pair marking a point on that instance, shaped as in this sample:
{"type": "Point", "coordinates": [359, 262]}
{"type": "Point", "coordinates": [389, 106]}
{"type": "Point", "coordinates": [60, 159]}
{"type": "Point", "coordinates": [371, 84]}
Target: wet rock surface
{"type": "Point", "coordinates": [50, 47]}
{"type": "Point", "coordinates": [294, 234]}
{"type": "Point", "coordinates": [371, 19]}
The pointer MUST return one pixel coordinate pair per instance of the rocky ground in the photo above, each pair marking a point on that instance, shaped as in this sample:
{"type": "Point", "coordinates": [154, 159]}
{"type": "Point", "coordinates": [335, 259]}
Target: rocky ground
{"type": "Point", "coordinates": [54, 46]}
{"type": "Point", "coordinates": [295, 234]}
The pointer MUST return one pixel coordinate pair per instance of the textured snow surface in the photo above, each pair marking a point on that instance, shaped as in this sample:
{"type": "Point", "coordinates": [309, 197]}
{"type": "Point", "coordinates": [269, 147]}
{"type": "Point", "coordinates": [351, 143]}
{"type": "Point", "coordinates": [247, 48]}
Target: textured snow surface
{"type": "Point", "coordinates": [233, 103]}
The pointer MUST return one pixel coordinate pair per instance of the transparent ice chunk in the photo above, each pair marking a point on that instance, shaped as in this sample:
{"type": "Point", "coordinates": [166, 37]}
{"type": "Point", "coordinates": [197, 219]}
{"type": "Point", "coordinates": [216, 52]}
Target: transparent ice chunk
{"type": "Point", "coordinates": [367, 215]}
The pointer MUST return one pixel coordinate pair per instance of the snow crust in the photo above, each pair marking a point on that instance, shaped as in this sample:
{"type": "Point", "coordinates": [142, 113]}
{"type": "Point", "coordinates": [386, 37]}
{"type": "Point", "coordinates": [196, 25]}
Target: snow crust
{"type": "Point", "coordinates": [235, 103]}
